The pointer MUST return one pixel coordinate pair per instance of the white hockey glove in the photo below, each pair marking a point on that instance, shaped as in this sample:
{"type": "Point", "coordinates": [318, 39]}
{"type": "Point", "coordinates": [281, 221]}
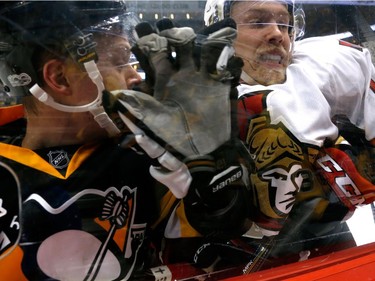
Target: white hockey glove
{"type": "Point", "coordinates": [189, 109]}
{"type": "Point", "coordinates": [171, 172]}
{"type": "Point", "coordinates": [186, 123]}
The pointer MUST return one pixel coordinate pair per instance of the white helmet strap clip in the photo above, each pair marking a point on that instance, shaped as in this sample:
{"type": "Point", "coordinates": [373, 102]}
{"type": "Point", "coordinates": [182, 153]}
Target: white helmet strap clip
{"type": "Point", "coordinates": [95, 107]}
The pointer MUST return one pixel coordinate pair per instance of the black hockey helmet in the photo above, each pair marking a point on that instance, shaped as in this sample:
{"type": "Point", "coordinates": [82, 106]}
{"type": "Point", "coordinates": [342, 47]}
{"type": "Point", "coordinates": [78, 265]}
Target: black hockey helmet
{"type": "Point", "coordinates": [62, 29]}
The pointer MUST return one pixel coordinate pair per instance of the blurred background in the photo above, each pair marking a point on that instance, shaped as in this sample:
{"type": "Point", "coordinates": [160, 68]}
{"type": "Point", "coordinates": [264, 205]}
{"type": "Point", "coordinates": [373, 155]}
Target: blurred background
{"type": "Point", "coordinates": [322, 17]}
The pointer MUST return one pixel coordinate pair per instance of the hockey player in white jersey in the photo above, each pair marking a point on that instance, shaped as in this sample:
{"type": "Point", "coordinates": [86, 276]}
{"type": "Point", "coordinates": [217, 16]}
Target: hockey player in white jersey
{"type": "Point", "coordinates": [290, 93]}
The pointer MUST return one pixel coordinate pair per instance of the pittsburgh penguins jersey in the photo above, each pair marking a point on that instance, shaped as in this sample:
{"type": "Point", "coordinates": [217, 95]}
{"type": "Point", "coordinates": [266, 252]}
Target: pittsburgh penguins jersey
{"type": "Point", "coordinates": [83, 212]}
{"type": "Point", "coordinates": [327, 77]}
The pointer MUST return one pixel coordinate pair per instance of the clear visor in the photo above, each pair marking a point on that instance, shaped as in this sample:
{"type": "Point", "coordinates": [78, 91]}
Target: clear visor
{"type": "Point", "coordinates": [103, 51]}
{"type": "Point", "coordinates": [121, 25]}
{"type": "Point", "coordinates": [291, 20]}
{"type": "Point", "coordinates": [261, 14]}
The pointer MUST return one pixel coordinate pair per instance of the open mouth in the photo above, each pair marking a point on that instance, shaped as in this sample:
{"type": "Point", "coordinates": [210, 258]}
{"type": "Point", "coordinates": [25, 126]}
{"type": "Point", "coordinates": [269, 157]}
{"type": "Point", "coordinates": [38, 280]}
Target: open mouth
{"type": "Point", "coordinates": [271, 59]}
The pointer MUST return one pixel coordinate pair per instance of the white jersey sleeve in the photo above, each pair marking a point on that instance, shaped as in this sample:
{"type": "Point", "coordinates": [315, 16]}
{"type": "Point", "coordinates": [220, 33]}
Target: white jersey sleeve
{"type": "Point", "coordinates": [324, 79]}
{"type": "Point", "coordinates": [344, 74]}
{"type": "Point", "coordinates": [298, 105]}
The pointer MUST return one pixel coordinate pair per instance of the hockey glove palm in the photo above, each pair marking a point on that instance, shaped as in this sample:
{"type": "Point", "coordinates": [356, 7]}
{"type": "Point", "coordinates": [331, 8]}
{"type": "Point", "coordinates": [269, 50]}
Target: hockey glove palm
{"type": "Point", "coordinates": [190, 108]}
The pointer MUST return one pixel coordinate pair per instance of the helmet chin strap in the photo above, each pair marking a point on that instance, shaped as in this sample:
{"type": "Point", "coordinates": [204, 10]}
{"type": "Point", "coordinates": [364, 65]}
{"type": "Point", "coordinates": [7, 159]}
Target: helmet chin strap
{"type": "Point", "coordinates": [95, 107]}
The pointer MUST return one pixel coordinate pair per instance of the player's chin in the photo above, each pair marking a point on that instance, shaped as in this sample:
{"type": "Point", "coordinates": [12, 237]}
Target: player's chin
{"type": "Point", "coordinates": [273, 76]}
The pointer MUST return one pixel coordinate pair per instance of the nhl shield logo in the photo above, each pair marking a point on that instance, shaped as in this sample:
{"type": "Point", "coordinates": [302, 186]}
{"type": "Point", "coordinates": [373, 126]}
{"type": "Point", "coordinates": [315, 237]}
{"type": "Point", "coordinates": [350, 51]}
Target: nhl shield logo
{"type": "Point", "coordinates": [10, 209]}
{"type": "Point", "coordinates": [58, 159]}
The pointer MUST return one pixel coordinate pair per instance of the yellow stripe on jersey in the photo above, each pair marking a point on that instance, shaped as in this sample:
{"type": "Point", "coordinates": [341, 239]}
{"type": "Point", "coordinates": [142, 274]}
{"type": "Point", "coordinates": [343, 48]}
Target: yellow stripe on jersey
{"type": "Point", "coordinates": [31, 159]}
{"type": "Point", "coordinates": [166, 205]}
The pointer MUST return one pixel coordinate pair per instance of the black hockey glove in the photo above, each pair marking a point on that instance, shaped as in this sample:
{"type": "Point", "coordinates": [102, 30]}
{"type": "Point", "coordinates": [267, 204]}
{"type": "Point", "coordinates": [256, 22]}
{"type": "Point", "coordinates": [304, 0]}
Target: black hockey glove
{"type": "Point", "coordinates": [218, 203]}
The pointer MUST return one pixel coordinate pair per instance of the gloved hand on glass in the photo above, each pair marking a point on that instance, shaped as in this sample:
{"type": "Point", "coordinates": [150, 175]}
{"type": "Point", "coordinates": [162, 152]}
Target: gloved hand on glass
{"type": "Point", "coordinates": [185, 121]}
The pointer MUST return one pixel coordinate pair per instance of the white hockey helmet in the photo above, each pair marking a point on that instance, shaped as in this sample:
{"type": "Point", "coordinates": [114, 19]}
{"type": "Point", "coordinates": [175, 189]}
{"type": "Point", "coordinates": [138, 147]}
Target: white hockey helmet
{"type": "Point", "coordinates": [217, 10]}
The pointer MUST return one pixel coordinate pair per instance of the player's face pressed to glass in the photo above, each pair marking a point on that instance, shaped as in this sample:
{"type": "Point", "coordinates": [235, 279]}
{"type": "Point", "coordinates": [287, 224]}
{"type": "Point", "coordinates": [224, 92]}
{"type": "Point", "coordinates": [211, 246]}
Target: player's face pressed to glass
{"type": "Point", "coordinates": [114, 63]}
{"type": "Point", "coordinates": [263, 39]}
{"type": "Point", "coordinates": [114, 67]}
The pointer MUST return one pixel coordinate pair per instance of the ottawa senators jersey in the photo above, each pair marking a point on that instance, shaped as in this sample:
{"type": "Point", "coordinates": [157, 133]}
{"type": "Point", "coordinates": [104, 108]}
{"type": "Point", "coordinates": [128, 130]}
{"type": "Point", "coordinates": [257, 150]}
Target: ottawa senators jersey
{"type": "Point", "coordinates": [285, 125]}
{"type": "Point", "coordinates": [327, 77]}
{"type": "Point", "coordinates": [85, 212]}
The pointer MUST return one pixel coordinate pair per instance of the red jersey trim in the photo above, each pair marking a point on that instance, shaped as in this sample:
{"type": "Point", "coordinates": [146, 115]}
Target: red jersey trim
{"type": "Point", "coordinates": [372, 85]}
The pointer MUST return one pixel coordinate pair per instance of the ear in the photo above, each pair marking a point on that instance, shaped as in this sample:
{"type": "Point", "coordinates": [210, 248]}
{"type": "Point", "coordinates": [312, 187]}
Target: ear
{"type": "Point", "coordinates": [54, 76]}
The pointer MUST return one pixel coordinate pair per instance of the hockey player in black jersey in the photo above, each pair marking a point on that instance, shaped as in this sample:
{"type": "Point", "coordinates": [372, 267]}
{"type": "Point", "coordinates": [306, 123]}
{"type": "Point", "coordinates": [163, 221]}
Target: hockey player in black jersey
{"type": "Point", "coordinates": [95, 189]}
